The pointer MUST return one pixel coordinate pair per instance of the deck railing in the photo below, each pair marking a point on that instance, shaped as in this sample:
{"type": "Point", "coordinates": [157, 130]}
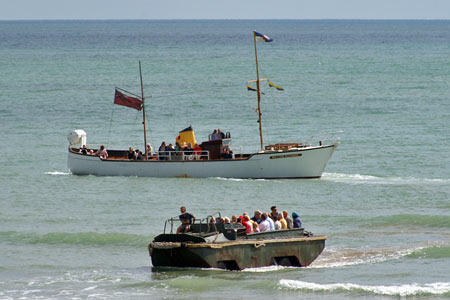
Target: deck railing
{"type": "Point", "coordinates": [183, 155]}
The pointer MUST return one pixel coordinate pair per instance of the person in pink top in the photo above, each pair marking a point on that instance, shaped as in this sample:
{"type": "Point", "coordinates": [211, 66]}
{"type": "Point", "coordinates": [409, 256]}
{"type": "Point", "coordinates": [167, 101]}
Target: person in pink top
{"type": "Point", "coordinates": [102, 153]}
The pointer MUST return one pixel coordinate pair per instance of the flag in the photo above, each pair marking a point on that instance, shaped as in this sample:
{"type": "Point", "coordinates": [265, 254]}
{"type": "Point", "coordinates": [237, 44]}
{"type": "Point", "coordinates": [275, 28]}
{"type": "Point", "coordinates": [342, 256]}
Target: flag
{"type": "Point", "coordinates": [262, 37]}
{"type": "Point", "coordinates": [275, 86]}
{"type": "Point", "coordinates": [122, 99]}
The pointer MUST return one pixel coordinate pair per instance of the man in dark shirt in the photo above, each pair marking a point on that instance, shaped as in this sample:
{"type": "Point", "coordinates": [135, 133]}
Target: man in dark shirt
{"type": "Point", "coordinates": [186, 220]}
{"type": "Point", "coordinates": [257, 217]}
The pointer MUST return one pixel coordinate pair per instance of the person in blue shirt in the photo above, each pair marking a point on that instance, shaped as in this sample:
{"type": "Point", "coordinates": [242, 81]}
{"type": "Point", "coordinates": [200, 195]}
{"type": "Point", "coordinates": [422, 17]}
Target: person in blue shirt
{"type": "Point", "coordinates": [186, 220]}
{"type": "Point", "coordinates": [296, 220]}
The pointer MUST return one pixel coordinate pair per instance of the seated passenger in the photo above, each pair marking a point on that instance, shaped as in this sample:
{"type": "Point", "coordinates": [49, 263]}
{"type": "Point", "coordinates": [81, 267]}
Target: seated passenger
{"type": "Point", "coordinates": [296, 220]}
{"type": "Point", "coordinates": [247, 223]}
{"type": "Point", "coordinates": [255, 226]}
{"type": "Point", "coordinates": [282, 221]}
{"type": "Point", "coordinates": [83, 150]}
{"type": "Point", "coordinates": [257, 216]}
{"type": "Point", "coordinates": [139, 155]}
{"type": "Point", "coordinates": [197, 151]}
{"type": "Point", "coordinates": [289, 222]}
{"type": "Point", "coordinates": [149, 150]}
{"type": "Point", "coordinates": [186, 220]}
{"type": "Point", "coordinates": [234, 219]}
{"type": "Point", "coordinates": [264, 225]}
{"type": "Point", "coordinates": [102, 153]}
{"type": "Point", "coordinates": [131, 154]}
{"type": "Point", "coordinates": [277, 224]}
{"type": "Point", "coordinates": [271, 223]}
{"type": "Point", "coordinates": [226, 220]}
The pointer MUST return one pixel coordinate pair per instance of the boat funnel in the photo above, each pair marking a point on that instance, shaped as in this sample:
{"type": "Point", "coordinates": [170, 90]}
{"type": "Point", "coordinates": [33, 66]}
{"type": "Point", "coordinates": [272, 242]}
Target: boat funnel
{"type": "Point", "coordinates": [77, 137]}
{"type": "Point", "coordinates": [186, 136]}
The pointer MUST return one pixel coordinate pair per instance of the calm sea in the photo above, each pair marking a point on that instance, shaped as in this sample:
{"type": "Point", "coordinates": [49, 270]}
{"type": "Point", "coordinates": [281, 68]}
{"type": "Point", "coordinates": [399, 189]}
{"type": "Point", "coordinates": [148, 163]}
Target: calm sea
{"type": "Point", "coordinates": [383, 200]}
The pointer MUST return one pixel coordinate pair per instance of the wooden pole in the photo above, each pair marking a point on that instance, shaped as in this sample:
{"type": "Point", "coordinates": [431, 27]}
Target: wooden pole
{"type": "Point", "coordinates": [143, 112]}
{"type": "Point", "coordinates": [258, 92]}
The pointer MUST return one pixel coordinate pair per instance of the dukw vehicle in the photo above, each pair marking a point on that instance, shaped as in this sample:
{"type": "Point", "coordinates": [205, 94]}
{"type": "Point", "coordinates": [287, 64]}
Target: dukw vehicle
{"type": "Point", "coordinates": [227, 246]}
{"type": "Point", "coordinates": [281, 160]}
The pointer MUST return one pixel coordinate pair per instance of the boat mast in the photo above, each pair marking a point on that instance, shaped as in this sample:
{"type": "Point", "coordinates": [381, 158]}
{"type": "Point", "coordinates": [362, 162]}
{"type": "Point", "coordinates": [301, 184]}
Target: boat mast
{"type": "Point", "coordinates": [143, 112]}
{"type": "Point", "coordinates": [258, 92]}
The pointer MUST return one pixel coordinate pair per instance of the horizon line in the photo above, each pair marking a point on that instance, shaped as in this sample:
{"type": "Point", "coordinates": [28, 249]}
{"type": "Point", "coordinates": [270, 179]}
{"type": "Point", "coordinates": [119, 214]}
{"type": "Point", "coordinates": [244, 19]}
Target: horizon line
{"type": "Point", "coordinates": [230, 19]}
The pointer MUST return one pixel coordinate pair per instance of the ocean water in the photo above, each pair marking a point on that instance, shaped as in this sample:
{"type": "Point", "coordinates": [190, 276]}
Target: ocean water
{"type": "Point", "coordinates": [383, 200]}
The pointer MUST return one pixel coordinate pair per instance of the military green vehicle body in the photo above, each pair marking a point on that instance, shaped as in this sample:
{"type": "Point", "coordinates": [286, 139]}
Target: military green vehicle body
{"type": "Point", "coordinates": [228, 247]}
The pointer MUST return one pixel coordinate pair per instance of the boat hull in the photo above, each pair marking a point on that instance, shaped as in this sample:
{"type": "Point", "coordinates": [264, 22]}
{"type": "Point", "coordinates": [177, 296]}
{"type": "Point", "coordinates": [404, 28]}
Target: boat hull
{"type": "Point", "coordinates": [238, 255]}
{"type": "Point", "coordinates": [307, 162]}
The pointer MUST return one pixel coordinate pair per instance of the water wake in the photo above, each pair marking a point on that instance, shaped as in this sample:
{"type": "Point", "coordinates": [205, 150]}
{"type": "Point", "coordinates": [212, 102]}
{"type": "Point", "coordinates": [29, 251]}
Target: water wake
{"type": "Point", "coordinates": [57, 173]}
{"type": "Point", "coordinates": [342, 257]}
{"type": "Point", "coordinates": [369, 179]}
{"type": "Point", "coordinates": [436, 288]}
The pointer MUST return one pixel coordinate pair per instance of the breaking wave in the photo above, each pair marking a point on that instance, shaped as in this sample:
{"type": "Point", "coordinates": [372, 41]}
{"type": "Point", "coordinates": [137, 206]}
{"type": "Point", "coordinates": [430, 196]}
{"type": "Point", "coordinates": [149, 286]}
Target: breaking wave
{"type": "Point", "coordinates": [81, 238]}
{"type": "Point", "coordinates": [431, 252]}
{"type": "Point", "coordinates": [414, 289]}
{"type": "Point", "coordinates": [369, 179]}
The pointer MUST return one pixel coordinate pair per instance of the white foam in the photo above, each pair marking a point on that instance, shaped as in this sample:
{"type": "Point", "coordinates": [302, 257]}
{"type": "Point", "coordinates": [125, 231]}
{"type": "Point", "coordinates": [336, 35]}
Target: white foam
{"type": "Point", "coordinates": [336, 258]}
{"type": "Point", "coordinates": [437, 288]}
{"type": "Point", "coordinates": [56, 173]}
{"type": "Point", "coordinates": [265, 269]}
{"type": "Point", "coordinates": [369, 179]}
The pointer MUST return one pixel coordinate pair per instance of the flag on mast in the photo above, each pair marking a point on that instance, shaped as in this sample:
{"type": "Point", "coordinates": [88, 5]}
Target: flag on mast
{"type": "Point", "coordinates": [262, 37]}
{"type": "Point", "coordinates": [128, 101]}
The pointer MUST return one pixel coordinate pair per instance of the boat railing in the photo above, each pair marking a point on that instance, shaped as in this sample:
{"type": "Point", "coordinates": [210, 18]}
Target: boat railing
{"type": "Point", "coordinates": [208, 220]}
{"type": "Point", "coordinates": [324, 138]}
{"type": "Point", "coordinates": [183, 155]}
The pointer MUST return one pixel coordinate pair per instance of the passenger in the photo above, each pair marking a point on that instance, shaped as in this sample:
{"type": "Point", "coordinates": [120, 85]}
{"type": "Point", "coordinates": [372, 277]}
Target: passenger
{"type": "Point", "coordinates": [234, 219]}
{"type": "Point", "coordinates": [170, 151]}
{"type": "Point", "coordinates": [197, 151]}
{"type": "Point", "coordinates": [257, 216]}
{"type": "Point", "coordinates": [271, 223]}
{"type": "Point", "coordinates": [139, 155]}
{"type": "Point", "coordinates": [220, 134]}
{"type": "Point", "coordinates": [149, 150]}
{"type": "Point", "coordinates": [226, 220]}
{"type": "Point", "coordinates": [282, 221]}
{"type": "Point", "coordinates": [188, 151]}
{"type": "Point", "coordinates": [255, 226]}
{"type": "Point", "coordinates": [186, 220]}
{"type": "Point", "coordinates": [274, 213]}
{"type": "Point", "coordinates": [277, 224]}
{"type": "Point", "coordinates": [83, 150]}
{"type": "Point", "coordinates": [102, 153]}
{"type": "Point", "coordinates": [264, 225]}
{"type": "Point", "coordinates": [288, 219]}
{"type": "Point", "coordinates": [162, 151]}
{"type": "Point", "coordinates": [296, 220]}
{"type": "Point", "coordinates": [214, 136]}
{"type": "Point", "coordinates": [131, 154]}
{"type": "Point", "coordinates": [247, 223]}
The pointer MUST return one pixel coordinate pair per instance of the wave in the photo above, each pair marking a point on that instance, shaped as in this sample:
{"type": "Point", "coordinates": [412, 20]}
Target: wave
{"type": "Point", "coordinates": [414, 289]}
{"type": "Point", "coordinates": [57, 173]}
{"type": "Point", "coordinates": [81, 238]}
{"type": "Point", "coordinates": [409, 220]}
{"type": "Point", "coordinates": [369, 179]}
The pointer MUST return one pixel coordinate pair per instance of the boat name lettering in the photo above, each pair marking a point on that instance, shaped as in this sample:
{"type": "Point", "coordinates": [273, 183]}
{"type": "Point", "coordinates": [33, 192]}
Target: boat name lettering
{"type": "Point", "coordinates": [286, 156]}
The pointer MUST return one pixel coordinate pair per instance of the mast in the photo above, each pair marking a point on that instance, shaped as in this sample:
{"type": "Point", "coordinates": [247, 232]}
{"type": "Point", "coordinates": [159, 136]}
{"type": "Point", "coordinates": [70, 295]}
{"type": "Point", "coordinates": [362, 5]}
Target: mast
{"type": "Point", "coordinates": [143, 112]}
{"type": "Point", "coordinates": [258, 92]}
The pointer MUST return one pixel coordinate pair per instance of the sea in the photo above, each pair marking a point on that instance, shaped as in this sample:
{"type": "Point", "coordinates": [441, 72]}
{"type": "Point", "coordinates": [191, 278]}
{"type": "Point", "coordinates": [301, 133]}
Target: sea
{"type": "Point", "coordinates": [379, 87]}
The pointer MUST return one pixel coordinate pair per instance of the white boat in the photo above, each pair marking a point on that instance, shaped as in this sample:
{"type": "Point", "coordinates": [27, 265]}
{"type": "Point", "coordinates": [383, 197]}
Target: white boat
{"type": "Point", "coordinates": [283, 160]}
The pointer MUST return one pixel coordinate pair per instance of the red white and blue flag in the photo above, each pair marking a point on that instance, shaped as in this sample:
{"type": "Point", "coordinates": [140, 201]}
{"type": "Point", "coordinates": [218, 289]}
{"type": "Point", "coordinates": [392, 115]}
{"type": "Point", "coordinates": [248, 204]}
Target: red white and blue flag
{"type": "Point", "coordinates": [262, 37]}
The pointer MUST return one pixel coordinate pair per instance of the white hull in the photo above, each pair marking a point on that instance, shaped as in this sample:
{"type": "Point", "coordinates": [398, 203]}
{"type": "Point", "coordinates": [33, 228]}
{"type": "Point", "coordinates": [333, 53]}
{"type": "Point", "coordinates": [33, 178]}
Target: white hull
{"type": "Point", "coordinates": [308, 162]}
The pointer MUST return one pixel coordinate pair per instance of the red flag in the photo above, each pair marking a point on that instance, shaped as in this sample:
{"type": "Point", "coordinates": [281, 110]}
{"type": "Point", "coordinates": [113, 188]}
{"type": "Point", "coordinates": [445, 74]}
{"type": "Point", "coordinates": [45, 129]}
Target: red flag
{"type": "Point", "coordinates": [122, 99]}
